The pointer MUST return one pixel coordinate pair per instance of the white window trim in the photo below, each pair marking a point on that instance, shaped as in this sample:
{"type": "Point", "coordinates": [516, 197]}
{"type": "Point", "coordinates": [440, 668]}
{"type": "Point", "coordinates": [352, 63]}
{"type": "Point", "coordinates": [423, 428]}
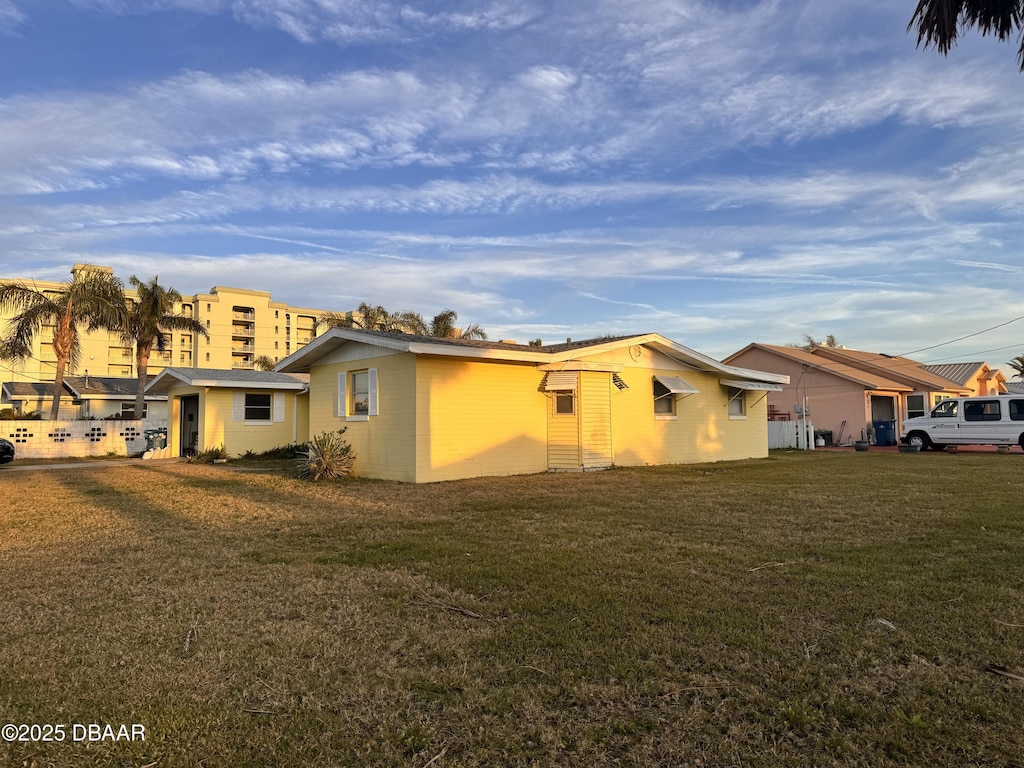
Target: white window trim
{"type": "Point", "coordinates": [741, 396]}
{"type": "Point", "coordinates": [555, 393]}
{"type": "Point", "coordinates": [238, 409]}
{"type": "Point", "coordinates": [373, 397]}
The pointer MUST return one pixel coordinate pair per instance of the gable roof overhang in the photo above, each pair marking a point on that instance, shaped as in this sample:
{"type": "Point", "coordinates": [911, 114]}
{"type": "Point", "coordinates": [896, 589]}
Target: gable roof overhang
{"type": "Point", "coordinates": [20, 390]}
{"type": "Point", "coordinates": [869, 380]}
{"type": "Point", "coordinates": [104, 388]}
{"type": "Point", "coordinates": [222, 379]}
{"type": "Point", "coordinates": [553, 357]}
{"type": "Point", "coordinates": [895, 367]}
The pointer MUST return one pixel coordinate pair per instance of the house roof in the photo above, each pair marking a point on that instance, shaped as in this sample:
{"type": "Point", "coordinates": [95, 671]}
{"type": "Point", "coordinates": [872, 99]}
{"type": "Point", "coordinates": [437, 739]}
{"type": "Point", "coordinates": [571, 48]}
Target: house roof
{"type": "Point", "coordinates": [1015, 387]}
{"type": "Point", "coordinates": [892, 366]}
{"type": "Point", "coordinates": [12, 389]}
{"type": "Point", "coordinates": [324, 345]}
{"type": "Point", "coordinates": [867, 379]}
{"type": "Point", "coordinates": [961, 373]}
{"type": "Point", "coordinates": [102, 388]}
{"type": "Point", "coordinates": [955, 372]}
{"type": "Point", "coordinates": [78, 388]}
{"type": "Point", "coordinates": [230, 379]}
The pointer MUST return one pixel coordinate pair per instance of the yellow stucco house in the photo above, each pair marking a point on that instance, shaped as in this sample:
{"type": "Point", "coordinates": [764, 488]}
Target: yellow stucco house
{"type": "Point", "coordinates": [241, 410]}
{"type": "Point", "coordinates": [423, 409]}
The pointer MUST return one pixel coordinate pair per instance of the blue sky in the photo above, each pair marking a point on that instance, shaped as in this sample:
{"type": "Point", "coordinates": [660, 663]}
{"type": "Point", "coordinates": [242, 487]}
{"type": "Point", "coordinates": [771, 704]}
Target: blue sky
{"type": "Point", "coordinates": [719, 172]}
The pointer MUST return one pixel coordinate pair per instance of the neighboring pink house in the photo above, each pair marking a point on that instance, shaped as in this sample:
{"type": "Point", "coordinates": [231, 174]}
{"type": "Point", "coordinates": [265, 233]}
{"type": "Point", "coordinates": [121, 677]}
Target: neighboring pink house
{"type": "Point", "coordinates": [847, 393]}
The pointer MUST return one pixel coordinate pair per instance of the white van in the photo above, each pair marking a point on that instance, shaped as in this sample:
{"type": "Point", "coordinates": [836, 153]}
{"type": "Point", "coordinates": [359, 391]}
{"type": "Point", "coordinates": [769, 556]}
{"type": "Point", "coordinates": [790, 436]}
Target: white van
{"type": "Point", "coordinates": [996, 420]}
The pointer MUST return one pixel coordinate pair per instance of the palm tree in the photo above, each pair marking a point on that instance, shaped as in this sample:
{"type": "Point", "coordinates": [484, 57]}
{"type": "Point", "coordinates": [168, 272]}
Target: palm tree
{"type": "Point", "coordinates": [369, 317]}
{"type": "Point", "coordinates": [147, 319]}
{"type": "Point", "coordinates": [263, 363]}
{"type": "Point", "coordinates": [940, 22]}
{"type": "Point", "coordinates": [1018, 365]}
{"type": "Point", "coordinates": [443, 326]}
{"type": "Point", "coordinates": [93, 299]}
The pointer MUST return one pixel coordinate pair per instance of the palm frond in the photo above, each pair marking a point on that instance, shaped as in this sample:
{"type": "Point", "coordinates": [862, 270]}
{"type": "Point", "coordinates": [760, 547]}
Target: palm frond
{"type": "Point", "coordinates": [939, 23]}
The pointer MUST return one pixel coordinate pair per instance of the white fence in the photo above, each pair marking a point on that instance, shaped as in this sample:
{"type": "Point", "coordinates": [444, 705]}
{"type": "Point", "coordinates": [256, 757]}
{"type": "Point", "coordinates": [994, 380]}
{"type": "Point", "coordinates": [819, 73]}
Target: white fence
{"type": "Point", "coordinates": [62, 438]}
{"type": "Point", "coordinates": [791, 434]}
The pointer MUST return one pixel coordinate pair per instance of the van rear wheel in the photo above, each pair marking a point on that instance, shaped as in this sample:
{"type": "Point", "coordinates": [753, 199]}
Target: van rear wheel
{"type": "Point", "coordinates": [918, 440]}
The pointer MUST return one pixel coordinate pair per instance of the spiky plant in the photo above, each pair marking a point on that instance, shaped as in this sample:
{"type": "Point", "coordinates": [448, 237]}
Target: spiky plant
{"type": "Point", "coordinates": [327, 456]}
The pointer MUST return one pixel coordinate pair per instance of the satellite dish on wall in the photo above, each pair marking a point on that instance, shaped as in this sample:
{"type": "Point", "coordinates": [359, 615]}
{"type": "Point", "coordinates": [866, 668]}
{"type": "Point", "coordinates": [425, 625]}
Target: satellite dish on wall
{"type": "Point", "coordinates": [636, 351]}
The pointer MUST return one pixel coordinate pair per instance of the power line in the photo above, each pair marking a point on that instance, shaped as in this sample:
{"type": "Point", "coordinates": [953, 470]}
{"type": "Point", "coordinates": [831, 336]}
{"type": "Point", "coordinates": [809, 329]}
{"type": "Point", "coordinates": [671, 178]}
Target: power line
{"type": "Point", "coordinates": [969, 335]}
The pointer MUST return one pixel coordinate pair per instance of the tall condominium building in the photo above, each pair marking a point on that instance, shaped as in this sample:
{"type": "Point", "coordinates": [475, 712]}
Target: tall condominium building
{"type": "Point", "coordinates": [242, 324]}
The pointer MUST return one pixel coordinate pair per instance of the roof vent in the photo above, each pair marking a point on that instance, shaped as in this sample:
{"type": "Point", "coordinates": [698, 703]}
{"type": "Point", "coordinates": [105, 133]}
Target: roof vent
{"type": "Point", "coordinates": [568, 340]}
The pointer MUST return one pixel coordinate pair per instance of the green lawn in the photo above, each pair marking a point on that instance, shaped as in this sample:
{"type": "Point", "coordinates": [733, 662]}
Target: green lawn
{"type": "Point", "coordinates": [839, 608]}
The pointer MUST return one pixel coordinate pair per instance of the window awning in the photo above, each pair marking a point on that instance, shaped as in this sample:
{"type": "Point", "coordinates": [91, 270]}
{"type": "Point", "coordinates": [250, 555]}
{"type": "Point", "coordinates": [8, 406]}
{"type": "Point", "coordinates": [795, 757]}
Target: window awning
{"type": "Point", "coordinates": [751, 386]}
{"type": "Point", "coordinates": [675, 385]}
{"type": "Point", "coordinates": [559, 380]}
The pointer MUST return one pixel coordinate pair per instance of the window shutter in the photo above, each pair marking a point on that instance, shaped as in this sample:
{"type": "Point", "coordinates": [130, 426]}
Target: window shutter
{"type": "Point", "coordinates": [371, 378]}
{"type": "Point", "coordinates": [238, 406]}
{"type": "Point", "coordinates": [342, 379]}
{"type": "Point", "coordinates": [278, 406]}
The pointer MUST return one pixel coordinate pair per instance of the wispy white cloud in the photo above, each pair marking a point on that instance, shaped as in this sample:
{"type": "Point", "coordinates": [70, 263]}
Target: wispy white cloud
{"type": "Point", "coordinates": [342, 21]}
{"type": "Point", "coordinates": [10, 16]}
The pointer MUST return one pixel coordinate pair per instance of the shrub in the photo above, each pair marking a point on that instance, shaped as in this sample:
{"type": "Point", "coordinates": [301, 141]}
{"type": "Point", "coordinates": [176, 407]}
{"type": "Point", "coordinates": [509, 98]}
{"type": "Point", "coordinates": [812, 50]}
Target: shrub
{"type": "Point", "coordinates": [9, 414]}
{"type": "Point", "coordinates": [326, 457]}
{"type": "Point", "coordinates": [290, 451]}
{"type": "Point", "coordinates": [209, 456]}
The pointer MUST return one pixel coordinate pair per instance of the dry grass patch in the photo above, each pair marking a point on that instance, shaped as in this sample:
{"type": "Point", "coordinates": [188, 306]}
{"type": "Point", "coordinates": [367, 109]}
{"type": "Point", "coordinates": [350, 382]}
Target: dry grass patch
{"type": "Point", "coordinates": [839, 609]}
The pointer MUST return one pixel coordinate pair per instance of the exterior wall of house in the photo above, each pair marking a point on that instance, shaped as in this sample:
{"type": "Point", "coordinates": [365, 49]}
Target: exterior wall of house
{"type": "Point", "coordinates": [385, 443]}
{"type": "Point", "coordinates": [219, 424]}
{"type": "Point", "coordinates": [477, 418]}
{"type": "Point", "coordinates": [831, 399]}
{"type": "Point", "coordinates": [701, 429]}
{"type": "Point", "coordinates": [156, 410]}
{"type": "Point", "coordinates": [595, 398]}
{"type": "Point", "coordinates": [444, 418]}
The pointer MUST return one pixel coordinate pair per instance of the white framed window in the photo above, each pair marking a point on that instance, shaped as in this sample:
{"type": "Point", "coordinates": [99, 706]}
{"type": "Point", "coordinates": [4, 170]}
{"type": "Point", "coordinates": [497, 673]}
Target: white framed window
{"type": "Point", "coordinates": [564, 402]}
{"type": "Point", "coordinates": [258, 408]}
{"type": "Point", "coordinates": [357, 394]}
{"type": "Point", "coordinates": [664, 400]}
{"type": "Point", "coordinates": [128, 411]}
{"type": "Point", "coordinates": [360, 394]}
{"type": "Point", "coordinates": [915, 406]}
{"type": "Point", "coordinates": [737, 403]}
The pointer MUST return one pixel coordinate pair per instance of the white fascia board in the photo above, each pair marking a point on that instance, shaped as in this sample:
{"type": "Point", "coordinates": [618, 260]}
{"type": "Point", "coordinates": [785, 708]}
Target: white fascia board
{"type": "Point", "coordinates": [167, 373]}
{"type": "Point", "coordinates": [597, 349]}
{"type": "Point", "coordinates": [301, 360]}
{"type": "Point", "coordinates": [709, 364]}
{"type": "Point", "coordinates": [196, 381]}
{"type": "Point", "coordinates": [480, 353]}
{"type": "Point", "coordinates": [580, 365]}
{"type": "Point", "coordinates": [236, 384]}
{"type": "Point", "coordinates": [751, 386]}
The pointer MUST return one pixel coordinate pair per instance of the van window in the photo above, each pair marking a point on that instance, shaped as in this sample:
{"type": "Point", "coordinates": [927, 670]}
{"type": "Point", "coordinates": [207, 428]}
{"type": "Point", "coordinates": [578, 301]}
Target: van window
{"type": "Point", "coordinates": [1017, 410]}
{"type": "Point", "coordinates": [945, 410]}
{"type": "Point", "coordinates": [984, 410]}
